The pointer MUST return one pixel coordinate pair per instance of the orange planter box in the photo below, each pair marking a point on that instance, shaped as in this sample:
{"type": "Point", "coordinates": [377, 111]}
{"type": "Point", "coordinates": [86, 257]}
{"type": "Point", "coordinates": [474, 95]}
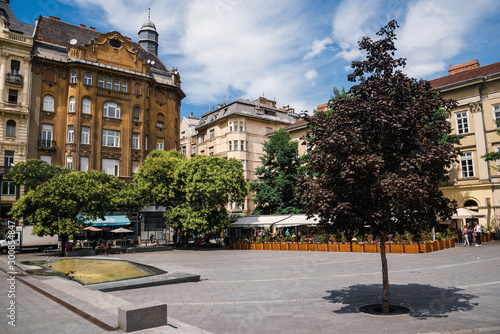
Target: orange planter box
{"type": "Point", "coordinates": [275, 246]}
{"type": "Point", "coordinates": [252, 246]}
{"type": "Point", "coordinates": [425, 248]}
{"type": "Point", "coordinates": [302, 247]}
{"type": "Point", "coordinates": [358, 248]}
{"type": "Point", "coordinates": [322, 247]}
{"type": "Point", "coordinates": [333, 247]}
{"type": "Point", "coordinates": [294, 247]}
{"type": "Point", "coordinates": [396, 248]}
{"type": "Point", "coordinates": [284, 247]}
{"type": "Point", "coordinates": [344, 247]}
{"type": "Point", "coordinates": [372, 248]}
{"type": "Point", "coordinates": [312, 247]}
{"type": "Point", "coordinates": [440, 244]}
{"type": "Point", "coordinates": [259, 246]}
{"type": "Point", "coordinates": [411, 249]}
{"type": "Point", "coordinates": [267, 246]}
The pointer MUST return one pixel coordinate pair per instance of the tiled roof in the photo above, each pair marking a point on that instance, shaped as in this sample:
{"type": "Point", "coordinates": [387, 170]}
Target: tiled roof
{"type": "Point", "coordinates": [479, 72]}
{"type": "Point", "coordinates": [15, 25]}
{"type": "Point", "coordinates": [54, 31]}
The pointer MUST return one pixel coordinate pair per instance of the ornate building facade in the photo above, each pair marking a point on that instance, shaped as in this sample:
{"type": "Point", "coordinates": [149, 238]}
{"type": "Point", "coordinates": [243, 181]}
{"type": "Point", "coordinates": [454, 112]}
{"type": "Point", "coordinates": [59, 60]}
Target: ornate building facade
{"type": "Point", "coordinates": [15, 73]}
{"type": "Point", "coordinates": [100, 101]}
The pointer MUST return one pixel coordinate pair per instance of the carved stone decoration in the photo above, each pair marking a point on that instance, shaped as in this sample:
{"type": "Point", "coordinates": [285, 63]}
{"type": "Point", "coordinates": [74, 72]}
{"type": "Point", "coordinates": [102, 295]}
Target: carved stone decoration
{"type": "Point", "coordinates": [475, 107]}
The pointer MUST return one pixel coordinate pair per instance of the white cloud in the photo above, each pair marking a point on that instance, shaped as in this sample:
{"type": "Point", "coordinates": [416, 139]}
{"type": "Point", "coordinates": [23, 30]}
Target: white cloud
{"type": "Point", "coordinates": [434, 32]}
{"type": "Point", "coordinates": [311, 74]}
{"type": "Point", "coordinates": [317, 47]}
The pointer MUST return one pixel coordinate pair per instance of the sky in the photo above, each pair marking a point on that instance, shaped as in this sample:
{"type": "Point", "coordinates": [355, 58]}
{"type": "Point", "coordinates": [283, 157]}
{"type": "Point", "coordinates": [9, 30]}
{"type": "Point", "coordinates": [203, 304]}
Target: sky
{"type": "Point", "coordinates": [290, 51]}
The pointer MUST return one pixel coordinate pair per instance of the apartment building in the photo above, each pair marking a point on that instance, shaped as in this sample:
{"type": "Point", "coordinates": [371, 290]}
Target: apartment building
{"type": "Point", "coordinates": [99, 100]}
{"type": "Point", "coordinates": [188, 140]}
{"type": "Point", "coordinates": [473, 183]}
{"type": "Point", "coordinates": [15, 82]}
{"type": "Point", "coordinates": [238, 130]}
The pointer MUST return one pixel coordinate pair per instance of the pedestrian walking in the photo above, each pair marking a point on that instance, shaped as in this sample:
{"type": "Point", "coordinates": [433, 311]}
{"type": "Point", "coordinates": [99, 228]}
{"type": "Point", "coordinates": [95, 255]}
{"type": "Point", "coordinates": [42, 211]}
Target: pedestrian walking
{"type": "Point", "coordinates": [477, 231]}
{"type": "Point", "coordinates": [466, 237]}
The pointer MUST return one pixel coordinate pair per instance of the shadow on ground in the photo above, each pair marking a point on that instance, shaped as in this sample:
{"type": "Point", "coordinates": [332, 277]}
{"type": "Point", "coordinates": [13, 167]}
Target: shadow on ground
{"type": "Point", "coordinates": [423, 300]}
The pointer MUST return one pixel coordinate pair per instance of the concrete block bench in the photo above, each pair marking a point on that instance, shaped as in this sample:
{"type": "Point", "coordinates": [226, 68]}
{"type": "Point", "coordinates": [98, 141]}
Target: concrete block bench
{"type": "Point", "coordinates": [132, 318]}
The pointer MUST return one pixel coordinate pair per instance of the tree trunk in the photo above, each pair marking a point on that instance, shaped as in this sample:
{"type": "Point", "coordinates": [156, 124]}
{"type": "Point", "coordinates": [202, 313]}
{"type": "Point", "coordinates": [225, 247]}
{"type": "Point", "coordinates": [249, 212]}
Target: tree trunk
{"type": "Point", "coordinates": [385, 274]}
{"type": "Point", "coordinates": [64, 240]}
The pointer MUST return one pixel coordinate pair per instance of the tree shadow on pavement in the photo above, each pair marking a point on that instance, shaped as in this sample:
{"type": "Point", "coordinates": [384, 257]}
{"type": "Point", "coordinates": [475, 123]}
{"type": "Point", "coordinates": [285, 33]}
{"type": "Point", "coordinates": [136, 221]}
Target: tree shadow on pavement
{"type": "Point", "coordinates": [423, 300]}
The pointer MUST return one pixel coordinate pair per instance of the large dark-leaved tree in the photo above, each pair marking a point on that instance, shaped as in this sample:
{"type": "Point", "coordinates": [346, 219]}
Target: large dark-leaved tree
{"type": "Point", "coordinates": [381, 152]}
{"type": "Point", "coordinates": [275, 187]}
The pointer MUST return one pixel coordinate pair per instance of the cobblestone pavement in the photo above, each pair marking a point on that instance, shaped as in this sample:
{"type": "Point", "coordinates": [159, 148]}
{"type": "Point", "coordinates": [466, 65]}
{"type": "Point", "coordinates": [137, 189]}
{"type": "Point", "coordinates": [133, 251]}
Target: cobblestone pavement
{"type": "Point", "coordinates": [243, 291]}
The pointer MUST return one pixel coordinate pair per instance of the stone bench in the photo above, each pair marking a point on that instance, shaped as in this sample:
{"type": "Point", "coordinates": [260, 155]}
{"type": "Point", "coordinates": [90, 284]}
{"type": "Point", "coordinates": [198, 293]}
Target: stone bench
{"type": "Point", "coordinates": [132, 318]}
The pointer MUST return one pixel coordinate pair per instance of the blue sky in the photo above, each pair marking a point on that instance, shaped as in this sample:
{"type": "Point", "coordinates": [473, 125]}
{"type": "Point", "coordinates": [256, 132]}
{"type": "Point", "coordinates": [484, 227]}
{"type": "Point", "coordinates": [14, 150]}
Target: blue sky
{"type": "Point", "coordinates": [292, 51]}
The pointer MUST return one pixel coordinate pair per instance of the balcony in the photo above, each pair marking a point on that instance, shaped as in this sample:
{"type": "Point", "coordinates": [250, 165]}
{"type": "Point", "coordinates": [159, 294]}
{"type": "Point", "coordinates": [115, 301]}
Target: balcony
{"type": "Point", "coordinates": [14, 79]}
{"type": "Point", "coordinates": [46, 144]}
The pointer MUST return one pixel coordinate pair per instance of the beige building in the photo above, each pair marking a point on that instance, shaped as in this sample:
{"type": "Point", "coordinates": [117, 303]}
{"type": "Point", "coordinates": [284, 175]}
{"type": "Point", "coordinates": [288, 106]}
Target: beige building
{"type": "Point", "coordinates": [188, 139]}
{"type": "Point", "coordinates": [238, 130]}
{"type": "Point", "coordinates": [473, 183]}
{"type": "Point", "coordinates": [15, 74]}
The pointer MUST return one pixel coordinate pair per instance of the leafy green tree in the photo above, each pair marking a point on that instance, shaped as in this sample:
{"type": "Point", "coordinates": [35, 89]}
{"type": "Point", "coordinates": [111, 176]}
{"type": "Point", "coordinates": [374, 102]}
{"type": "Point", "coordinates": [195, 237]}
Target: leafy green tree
{"type": "Point", "coordinates": [380, 154]}
{"type": "Point", "coordinates": [275, 187]}
{"type": "Point", "coordinates": [194, 192]}
{"type": "Point", "coordinates": [34, 172]}
{"type": "Point", "coordinates": [62, 204]}
{"type": "Point", "coordinates": [493, 156]}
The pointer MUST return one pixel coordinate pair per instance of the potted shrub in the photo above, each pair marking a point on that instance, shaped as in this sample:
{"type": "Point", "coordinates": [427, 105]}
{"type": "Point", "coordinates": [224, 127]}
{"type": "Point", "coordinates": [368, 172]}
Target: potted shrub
{"type": "Point", "coordinates": [410, 247]}
{"type": "Point", "coordinates": [395, 246]}
{"type": "Point", "coordinates": [259, 245]}
{"type": "Point", "coordinates": [322, 246]}
{"type": "Point", "coordinates": [333, 246]}
{"type": "Point", "coordinates": [267, 244]}
{"type": "Point", "coordinates": [344, 246]}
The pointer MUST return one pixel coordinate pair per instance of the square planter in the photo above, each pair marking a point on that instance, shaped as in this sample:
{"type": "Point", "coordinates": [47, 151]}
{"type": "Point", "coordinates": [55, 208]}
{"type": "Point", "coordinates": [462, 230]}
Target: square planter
{"type": "Point", "coordinates": [425, 248]}
{"type": "Point", "coordinates": [372, 248]}
{"type": "Point", "coordinates": [435, 247]}
{"type": "Point", "coordinates": [294, 247]}
{"type": "Point", "coordinates": [237, 246]}
{"type": "Point", "coordinates": [252, 246]}
{"type": "Point", "coordinates": [440, 244]}
{"type": "Point", "coordinates": [302, 247]}
{"type": "Point", "coordinates": [322, 247]}
{"type": "Point", "coordinates": [447, 243]}
{"type": "Point", "coordinates": [358, 248]}
{"type": "Point", "coordinates": [267, 246]}
{"type": "Point", "coordinates": [284, 246]}
{"type": "Point", "coordinates": [333, 247]}
{"type": "Point", "coordinates": [312, 247]}
{"type": "Point", "coordinates": [411, 249]}
{"type": "Point", "coordinates": [231, 246]}
{"type": "Point", "coordinates": [452, 243]}
{"type": "Point", "coordinates": [275, 246]}
{"type": "Point", "coordinates": [396, 248]}
{"type": "Point", "coordinates": [344, 247]}
{"type": "Point", "coordinates": [259, 246]}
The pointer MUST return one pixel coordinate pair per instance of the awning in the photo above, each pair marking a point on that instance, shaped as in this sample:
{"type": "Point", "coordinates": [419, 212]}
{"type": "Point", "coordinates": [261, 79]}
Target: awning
{"type": "Point", "coordinates": [259, 221]}
{"type": "Point", "coordinates": [112, 220]}
{"type": "Point", "coordinates": [297, 220]}
{"type": "Point", "coordinates": [463, 213]}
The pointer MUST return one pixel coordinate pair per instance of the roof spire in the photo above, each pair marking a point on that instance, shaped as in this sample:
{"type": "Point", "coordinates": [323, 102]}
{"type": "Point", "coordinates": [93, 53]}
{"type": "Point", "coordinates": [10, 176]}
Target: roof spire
{"type": "Point", "coordinates": [149, 13]}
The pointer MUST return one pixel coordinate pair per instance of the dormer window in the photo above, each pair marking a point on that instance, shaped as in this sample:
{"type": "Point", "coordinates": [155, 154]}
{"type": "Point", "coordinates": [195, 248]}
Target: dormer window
{"type": "Point", "coordinates": [115, 43]}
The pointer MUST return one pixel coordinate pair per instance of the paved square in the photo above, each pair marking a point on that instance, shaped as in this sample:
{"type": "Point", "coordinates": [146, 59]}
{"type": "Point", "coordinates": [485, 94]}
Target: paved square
{"type": "Point", "coordinates": [250, 291]}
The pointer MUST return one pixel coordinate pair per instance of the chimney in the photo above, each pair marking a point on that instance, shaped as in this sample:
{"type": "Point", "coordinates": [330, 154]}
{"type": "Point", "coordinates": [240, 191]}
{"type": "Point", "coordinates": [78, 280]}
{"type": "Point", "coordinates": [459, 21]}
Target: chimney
{"type": "Point", "coordinates": [92, 28]}
{"type": "Point", "coordinates": [55, 18]}
{"type": "Point", "coordinates": [470, 65]}
{"type": "Point", "coordinates": [83, 25]}
{"type": "Point", "coordinates": [267, 102]}
{"type": "Point", "coordinates": [191, 115]}
{"type": "Point", "coordinates": [322, 107]}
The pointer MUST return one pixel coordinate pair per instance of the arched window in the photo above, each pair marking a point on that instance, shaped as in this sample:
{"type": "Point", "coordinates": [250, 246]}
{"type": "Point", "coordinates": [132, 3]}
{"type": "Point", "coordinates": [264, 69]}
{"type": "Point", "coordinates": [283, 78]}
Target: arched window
{"type": "Point", "coordinates": [112, 110]}
{"type": "Point", "coordinates": [48, 103]}
{"type": "Point", "coordinates": [117, 85]}
{"type": "Point", "coordinates": [73, 78]}
{"type": "Point", "coordinates": [470, 203]}
{"type": "Point", "coordinates": [124, 86]}
{"type": "Point", "coordinates": [86, 106]}
{"type": "Point", "coordinates": [87, 79]}
{"type": "Point", "coordinates": [11, 129]}
{"type": "Point", "coordinates": [160, 120]}
{"type": "Point", "coordinates": [136, 114]}
{"type": "Point", "coordinates": [50, 75]}
{"type": "Point", "coordinates": [71, 104]}
{"type": "Point", "coordinates": [100, 82]}
{"type": "Point", "coordinates": [109, 83]}
{"type": "Point", "coordinates": [137, 88]}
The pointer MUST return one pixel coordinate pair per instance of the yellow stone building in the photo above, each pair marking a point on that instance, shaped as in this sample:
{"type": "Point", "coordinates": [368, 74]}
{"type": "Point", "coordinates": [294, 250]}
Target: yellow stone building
{"type": "Point", "coordinates": [238, 130]}
{"type": "Point", "coordinates": [99, 100]}
{"type": "Point", "coordinates": [473, 183]}
{"type": "Point", "coordinates": [15, 69]}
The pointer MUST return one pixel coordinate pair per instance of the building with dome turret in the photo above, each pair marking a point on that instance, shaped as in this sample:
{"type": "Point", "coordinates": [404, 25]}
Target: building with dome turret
{"type": "Point", "coordinates": [100, 100]}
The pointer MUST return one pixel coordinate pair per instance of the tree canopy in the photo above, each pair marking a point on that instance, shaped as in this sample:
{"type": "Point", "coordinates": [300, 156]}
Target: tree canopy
{"type": "Point", "coordinates": [378, 157]}
{"type": "Point", "coordinates": [34, 172]}
{"type": "Point", "coordinates": [194, 192]}
{"type": "Point", "coordinates": [275, 187]}
{"type": "Point", "coordinates": [62, 204]}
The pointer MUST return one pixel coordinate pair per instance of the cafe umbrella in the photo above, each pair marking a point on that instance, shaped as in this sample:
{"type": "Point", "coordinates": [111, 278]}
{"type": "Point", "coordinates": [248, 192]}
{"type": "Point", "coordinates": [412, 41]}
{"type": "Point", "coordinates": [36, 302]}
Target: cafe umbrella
{"type": "Point", "coordinates": [121, 230]}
